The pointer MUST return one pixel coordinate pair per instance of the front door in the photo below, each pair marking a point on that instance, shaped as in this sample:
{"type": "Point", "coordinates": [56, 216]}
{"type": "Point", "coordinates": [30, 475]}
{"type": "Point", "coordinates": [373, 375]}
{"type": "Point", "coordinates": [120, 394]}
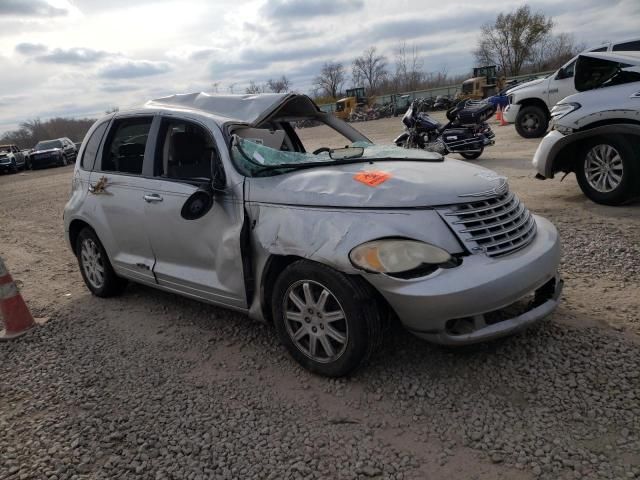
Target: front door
{"type": "Point", "coordinates": [197, 257]}
{"type": "Point", "coordinates": [561, 84]}
{"type": "Point", "coordinates": [116, 198]}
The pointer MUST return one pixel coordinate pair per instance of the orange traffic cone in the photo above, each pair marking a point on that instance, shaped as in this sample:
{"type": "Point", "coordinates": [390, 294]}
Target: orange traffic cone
{"type": "Point", "coordinates": [499, 113]}
{"type": "Point", "coordinates": [15, 313]}
{"type": "Point", "coordinates": [503, 122]}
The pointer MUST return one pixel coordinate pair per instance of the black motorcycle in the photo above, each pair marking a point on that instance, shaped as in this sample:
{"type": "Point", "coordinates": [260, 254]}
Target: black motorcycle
{"type": "Point", "coordinates": [466, 133]}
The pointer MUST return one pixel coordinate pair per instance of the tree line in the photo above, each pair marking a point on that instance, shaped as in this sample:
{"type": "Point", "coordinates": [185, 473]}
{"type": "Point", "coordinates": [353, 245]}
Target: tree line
{"type": "Point", "coordinates": [518, 42]}
{"type": "Point", "coordinates": [33, 131]}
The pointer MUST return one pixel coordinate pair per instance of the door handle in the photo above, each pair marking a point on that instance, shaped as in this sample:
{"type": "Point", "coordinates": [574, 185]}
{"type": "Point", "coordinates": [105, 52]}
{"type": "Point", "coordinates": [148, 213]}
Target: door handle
{"type": "Point", "coordinates": [152, 198]}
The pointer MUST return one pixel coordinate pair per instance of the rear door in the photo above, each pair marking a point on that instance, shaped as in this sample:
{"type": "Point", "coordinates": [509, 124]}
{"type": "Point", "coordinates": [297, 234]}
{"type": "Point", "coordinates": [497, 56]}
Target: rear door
{"type": "Point", "coordinates": [199, 257]}
{"type": "Point", "coordinates": [116, 196]}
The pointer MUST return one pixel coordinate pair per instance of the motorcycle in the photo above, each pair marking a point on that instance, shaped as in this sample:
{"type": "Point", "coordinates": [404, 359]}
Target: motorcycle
{"type": "Point", "coordinates": [466, 133]}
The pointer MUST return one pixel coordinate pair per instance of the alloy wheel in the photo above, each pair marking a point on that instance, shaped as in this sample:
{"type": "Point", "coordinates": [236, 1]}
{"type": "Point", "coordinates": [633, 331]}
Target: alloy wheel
{"type": "Point", "coordinates": [315, 321]}
{"type": "Point", "coordinates": [92, 263]}
{"type": "Point", "coordinates": [603, 168]}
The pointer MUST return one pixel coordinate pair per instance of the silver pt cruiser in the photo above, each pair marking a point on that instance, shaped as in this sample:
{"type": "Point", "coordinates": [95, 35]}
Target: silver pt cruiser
{"type": "Point", "coordinates": [217, 199]}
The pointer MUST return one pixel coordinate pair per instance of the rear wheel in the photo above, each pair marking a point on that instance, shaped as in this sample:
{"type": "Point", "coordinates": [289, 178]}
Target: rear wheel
{"type": "Point", "coordinates": [608, 170]}
{"type": "Point", "coordinates": [532, 122]}
{"type": "Point", "coordinates": [14, 166]}
{"type": "Point", "coordinates": [95, 267]}
{"type": "Point", "coordinates": [472, 155]}
{"type": "Point", "coordinates": [330, 323]}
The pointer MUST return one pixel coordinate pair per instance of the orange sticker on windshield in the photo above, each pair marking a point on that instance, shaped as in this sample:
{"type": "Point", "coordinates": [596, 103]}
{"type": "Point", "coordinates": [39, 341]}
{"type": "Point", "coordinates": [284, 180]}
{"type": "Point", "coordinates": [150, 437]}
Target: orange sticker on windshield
{"type": "Point", "coordinates": [372, 178]}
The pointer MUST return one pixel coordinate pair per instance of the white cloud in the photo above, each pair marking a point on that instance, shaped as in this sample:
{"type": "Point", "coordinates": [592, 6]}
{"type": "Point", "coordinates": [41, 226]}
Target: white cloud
{"type": "Point", "coordinates": [122, 52]}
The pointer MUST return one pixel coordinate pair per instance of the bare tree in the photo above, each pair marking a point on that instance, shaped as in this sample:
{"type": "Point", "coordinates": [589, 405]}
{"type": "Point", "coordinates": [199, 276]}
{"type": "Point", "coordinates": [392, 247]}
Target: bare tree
{"type": "Point", "coordinates": [512, 39]}
{"type": "Point", "coordinates": [231, 87]}
{"type": "Point", "coordinates": [553, 51]}
{"type": "Point", "coordinates": [254, 88]}
{"type": "Point", "coordinates": [409, 66]}
{"type": "Point", "coordinates": [331, 78]}
{"type": "Point", "coordinates": [279, 85]}
{"type": "Point", "coordinates": [370, 67]}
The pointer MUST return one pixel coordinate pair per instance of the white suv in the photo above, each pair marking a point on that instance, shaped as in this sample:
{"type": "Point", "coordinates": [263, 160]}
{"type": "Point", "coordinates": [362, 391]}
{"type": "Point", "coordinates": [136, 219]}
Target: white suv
{"type": "Point", "coordinates": [530, 103]}
{"type": "Point", "coordinates": [596, 133]}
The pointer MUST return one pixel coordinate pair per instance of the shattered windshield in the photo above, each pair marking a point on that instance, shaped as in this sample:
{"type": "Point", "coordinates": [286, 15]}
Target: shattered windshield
{"type": "Point", "coordinates": [254, 158]}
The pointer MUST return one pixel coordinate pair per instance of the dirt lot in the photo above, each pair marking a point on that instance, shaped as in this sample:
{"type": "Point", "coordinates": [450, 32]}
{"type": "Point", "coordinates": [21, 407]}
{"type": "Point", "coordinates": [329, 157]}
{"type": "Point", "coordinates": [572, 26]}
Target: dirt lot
{"type": "Point", "coordinates": [155, 386]}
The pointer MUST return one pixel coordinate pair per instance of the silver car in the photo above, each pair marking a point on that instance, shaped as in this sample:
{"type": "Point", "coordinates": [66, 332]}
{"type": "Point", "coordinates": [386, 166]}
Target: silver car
{"type": "Point", "coordinates": [216, 198]}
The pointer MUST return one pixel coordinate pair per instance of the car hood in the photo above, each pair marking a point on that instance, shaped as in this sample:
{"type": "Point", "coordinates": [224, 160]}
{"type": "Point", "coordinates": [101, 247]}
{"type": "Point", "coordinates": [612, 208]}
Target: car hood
{"type": "Point", "coordinates": [522, 86]}
{"type": "Point", "coordinates": [385, 184]}
{"type": "Point", "coordinates": [50, 150]}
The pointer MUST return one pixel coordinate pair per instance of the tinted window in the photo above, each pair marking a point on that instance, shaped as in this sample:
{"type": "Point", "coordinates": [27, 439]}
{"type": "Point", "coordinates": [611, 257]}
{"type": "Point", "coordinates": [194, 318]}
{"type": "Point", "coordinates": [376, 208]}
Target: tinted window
{"type": "Point", "coordinates": [125, 146]}
{"type": "Point", "coordinates": [601, 49]}
{"type": "Point", "coordinates": [185, 151]}
{"type": "Point", "coordinates": [627, 47]}
{"type": "Point", "coordinates": [93, 144]}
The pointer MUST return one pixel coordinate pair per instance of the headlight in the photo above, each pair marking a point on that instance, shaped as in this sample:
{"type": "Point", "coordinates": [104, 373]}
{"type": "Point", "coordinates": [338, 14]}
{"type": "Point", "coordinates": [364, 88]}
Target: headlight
{"type": "Point", "coordinates": [396, 255]}
{"type": "Point", "coordinates": [563, 109]}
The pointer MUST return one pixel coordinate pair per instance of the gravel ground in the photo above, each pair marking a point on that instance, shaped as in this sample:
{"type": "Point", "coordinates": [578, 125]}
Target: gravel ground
{"type": "Point", "coordinates": [151, 385]}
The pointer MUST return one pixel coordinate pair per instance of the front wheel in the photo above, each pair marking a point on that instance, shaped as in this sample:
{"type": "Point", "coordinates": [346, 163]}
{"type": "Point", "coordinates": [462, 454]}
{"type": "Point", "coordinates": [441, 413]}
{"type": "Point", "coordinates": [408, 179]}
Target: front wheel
{"type": "Point", "coordinates": [329, 322]}
{"type": "Point", "coordinates": [532, 122]}
{"type": "Point", "coordinates": [472, 155]}
{"type": "Point", "coordinates": [95, 266]}
{"type": "Point", "coordinates": [608, 170]}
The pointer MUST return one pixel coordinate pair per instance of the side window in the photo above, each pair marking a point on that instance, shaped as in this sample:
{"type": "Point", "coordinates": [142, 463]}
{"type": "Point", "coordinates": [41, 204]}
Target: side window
{"type": "Point", "coordinates": [627, 47]}
{"type": "Point", "coordinates": [124, 149]}
{"type": "Point", "coordinates": [599, 49]}
{"type": "Point", "coordinates": [93, 144]}
{"type": "Point", "coordinates": [185, 151]}
{"type": "Point", "coordinates": [569, 69]}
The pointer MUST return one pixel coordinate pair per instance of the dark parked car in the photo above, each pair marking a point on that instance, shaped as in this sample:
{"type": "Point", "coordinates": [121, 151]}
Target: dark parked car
{"type": "Point", "coordinates": [11, 159]}
{"type": "Point", "coordinates": [59, 152]}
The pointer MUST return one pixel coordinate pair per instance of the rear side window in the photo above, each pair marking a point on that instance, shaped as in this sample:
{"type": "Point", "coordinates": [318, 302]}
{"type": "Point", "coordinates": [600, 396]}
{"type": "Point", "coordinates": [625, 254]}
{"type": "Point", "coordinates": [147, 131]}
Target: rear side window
{"type": "Point", "coordinates": [93, 144]}
{"type": "Point", "coordinates": [600, 49]}
{"type": "Point", "coordinates": [627, 46]}
{"type": "Point", "coordinates": [124, 149]}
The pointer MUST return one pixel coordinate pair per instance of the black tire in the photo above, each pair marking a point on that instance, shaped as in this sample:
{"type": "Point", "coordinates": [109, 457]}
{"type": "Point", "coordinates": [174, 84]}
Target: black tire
{"type": "Point", "coordinates": [27, 164]}
{"type": "Point", "coordinates": [112, 285]}
{"type": "Point", "coordinates": [472, 155]}
{"type": "Point", "coordinates": [629, 185]}
{"type": "Point", "coordinates": [14, 166]}
{"type": "Point", "coordinates": [532, 122]}
{"type": "Point", "coordinates": [362, 320]}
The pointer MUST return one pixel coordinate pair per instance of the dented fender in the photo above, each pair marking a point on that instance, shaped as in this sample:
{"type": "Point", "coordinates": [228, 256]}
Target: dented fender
{"type": "Point", "coordinates": [327, 235]}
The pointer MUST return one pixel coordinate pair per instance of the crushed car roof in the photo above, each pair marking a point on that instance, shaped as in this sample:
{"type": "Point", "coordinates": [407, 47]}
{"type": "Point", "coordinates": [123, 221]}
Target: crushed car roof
{"type": "Point", "coordinates": [250, 109]}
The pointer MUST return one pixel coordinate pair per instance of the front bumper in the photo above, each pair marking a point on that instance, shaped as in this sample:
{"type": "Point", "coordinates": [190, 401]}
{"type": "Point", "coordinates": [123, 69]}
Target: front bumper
{"type": "Point", "coordinates": [5, 166]}
{"type": "Point", "coordinates": [475, 293]}
{"type": "Point", "coordinates": [45, 161]}
{"type": "Point", "coordinates": [542, 160]}
{"type": "Point", "coordinates": [511, 112]}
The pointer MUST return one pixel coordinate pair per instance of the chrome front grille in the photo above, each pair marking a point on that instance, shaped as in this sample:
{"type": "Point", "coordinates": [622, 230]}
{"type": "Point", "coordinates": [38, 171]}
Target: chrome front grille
{"type": "Point", "coordinates": [496, 226]}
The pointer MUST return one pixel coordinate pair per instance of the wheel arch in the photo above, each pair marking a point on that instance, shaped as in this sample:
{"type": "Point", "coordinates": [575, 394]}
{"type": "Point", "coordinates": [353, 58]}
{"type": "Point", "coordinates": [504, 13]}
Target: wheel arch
{"type": "Point", "coordinates": [563, 154]}
{"type": "Point", "coordinates": [535, 102]}
{"type": "Point", "coordinates": [276, 264]}
{"type": "Point", "coordinates": [75, 227]}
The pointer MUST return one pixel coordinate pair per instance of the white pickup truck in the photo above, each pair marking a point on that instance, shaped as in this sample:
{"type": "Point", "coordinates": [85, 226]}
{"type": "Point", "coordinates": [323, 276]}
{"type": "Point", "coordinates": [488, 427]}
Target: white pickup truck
{"type": "Point", "coordinates": [530, 103]}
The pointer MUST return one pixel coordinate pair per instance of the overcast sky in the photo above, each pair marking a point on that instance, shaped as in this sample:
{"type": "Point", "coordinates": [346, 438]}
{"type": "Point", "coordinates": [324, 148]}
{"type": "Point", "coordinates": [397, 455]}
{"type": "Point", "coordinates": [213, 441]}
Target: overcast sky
{"type": "Point", "coordinates": [80, 57]}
